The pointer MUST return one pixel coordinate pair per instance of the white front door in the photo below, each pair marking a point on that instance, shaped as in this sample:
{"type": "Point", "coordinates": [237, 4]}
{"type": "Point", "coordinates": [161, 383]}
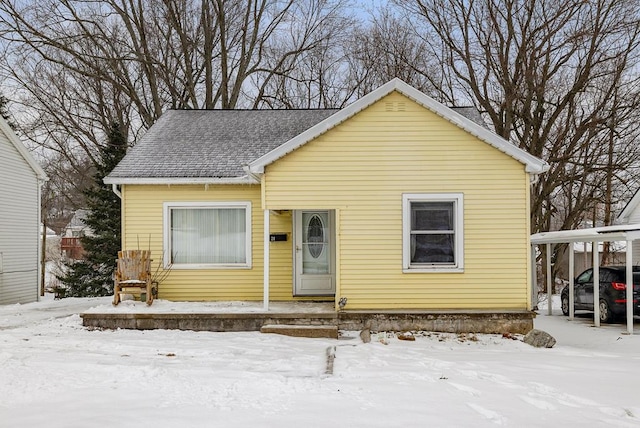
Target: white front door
{"type": "Point", "coordinates": [314, 253]}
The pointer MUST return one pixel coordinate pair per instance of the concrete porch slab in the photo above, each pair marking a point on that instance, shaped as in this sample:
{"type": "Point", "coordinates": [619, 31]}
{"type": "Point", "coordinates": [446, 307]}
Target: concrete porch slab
{"type": "Point", "coordinates": [250, 316]}
{"type": "Point", "coordinates": [204, 321]}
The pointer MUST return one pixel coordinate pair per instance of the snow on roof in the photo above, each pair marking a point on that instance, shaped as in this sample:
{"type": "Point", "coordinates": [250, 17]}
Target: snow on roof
{"type": "Point", "coordinates": [593, 234]}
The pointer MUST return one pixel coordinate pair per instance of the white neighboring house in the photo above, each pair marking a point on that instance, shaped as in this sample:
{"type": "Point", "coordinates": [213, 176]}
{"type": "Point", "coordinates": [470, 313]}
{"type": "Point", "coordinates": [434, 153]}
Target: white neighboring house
{"type": "Point", "coordinates": [21, 179]}
{"type": "Point", "coordinates": [631, 215]}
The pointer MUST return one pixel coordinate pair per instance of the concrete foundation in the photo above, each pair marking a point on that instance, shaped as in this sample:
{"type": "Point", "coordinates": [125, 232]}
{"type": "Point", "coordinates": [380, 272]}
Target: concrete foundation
{"type": "Point", "coordinates": [328, 331]}
{"type": "Point", "coordinates": [446, 321]}
{"type": "Point", "coordinates": [205, 322]}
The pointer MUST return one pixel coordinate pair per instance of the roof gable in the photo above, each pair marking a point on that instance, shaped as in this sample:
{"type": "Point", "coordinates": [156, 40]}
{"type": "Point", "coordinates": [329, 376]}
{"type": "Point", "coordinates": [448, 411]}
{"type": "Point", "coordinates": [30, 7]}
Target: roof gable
{"type": "Point", "coordinates": [22, 150]}
{"type": "Point", "coordinates": [532, 164]}
{"type": "Point", "coordinates": [629, 209]}
{"type": "Point", "coordinates": [232, 146]}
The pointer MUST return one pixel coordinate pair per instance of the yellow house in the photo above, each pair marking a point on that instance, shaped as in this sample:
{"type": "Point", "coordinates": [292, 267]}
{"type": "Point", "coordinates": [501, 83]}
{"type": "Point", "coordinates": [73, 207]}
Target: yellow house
{"type": "Point", "coordinates": [395, 203]}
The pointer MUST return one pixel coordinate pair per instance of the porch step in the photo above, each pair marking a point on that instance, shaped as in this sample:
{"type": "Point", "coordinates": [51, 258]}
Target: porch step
{"type": "Point", "coordinates": [295, 330]}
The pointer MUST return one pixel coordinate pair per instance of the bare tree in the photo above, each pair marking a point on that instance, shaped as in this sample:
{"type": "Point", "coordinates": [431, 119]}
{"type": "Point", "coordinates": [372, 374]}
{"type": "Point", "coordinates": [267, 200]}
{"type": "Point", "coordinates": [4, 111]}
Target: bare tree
{"type": "Point", "coordinates": [61, 196]}
{"type": "Point", "coordinates": [557, 78]}
{"type": "Point", "coordinates": [357, 61]}
{"type": "Point", "coordinates": [546, 74]}
{"type": "Point", "coordinates": [388, 47]}
{"type": "Point", "coordinates": [62, 193]}
{"type": "Point", "coordinates": [85, 64]}
{"type": "Point", "coordinates": [318, 77]}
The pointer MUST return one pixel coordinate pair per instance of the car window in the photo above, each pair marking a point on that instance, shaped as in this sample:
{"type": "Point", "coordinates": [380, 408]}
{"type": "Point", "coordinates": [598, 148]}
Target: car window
{"type": "Point", "coordinates": [584, 276]}
{"type": "Point", "coordinates": [608, 276]}
{"type": "Point", "coordinates": [621, 276]}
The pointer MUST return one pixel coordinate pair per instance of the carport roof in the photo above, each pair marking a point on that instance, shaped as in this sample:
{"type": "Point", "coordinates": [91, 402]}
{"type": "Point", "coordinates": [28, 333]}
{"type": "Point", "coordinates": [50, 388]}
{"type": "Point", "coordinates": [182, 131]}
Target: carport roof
{"type": "Point", "coordinates": [626, 232]}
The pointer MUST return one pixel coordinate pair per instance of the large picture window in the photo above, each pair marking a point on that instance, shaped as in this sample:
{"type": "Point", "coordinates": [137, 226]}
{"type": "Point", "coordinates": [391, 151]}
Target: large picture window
{"type": "Point", "coordinates": [433, 232]}
{"type": "Point", "coordinates": [208, 234]}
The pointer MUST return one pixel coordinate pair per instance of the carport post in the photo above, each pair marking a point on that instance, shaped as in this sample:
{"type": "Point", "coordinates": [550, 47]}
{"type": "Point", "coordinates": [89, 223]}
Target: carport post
{"type": "Point", "coordinates": [595, 252]}
{"type": "Point", "coordinates": [572, 255]}
{"type": "Point", "coordinates": [534, 278]}
{"type": "Point", "coordinates": [267, 243]}
{"type": "Point", "coordinates": [549, 290]}
{"type": "Point", "coordinates": [630, 286]}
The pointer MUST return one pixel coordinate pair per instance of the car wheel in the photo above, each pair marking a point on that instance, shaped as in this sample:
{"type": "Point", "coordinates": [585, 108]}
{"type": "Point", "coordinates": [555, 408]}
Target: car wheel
{"type": "Point", "coordinates": [605, 311]}
{"type": "Point", "coordinates": [565, 305]}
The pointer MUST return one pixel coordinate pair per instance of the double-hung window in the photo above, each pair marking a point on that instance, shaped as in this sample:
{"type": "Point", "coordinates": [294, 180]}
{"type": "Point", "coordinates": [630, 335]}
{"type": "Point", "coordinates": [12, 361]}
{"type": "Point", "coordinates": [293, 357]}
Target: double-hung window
{"type": "Point", "coordinates": [433, 235]}
{"type": "Point", "coordinates": [207, 234]}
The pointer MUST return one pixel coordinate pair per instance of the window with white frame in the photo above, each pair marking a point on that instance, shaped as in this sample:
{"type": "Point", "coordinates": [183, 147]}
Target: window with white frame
{"type": "Point", "coordinates": [211, 234]}
{"type": "Point", "coordinates": [433, 236]}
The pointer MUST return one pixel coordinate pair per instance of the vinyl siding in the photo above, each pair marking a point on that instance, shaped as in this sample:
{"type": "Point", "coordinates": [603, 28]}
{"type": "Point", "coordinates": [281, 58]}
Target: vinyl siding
{"type": "Point", "coordinates": [19, 224]}
{"type": "Point", "coordinates": [363, 166]}
{"type": "Point", "coordinates": [143, 228]}
{"type": "Point", "coordinates": [634, 218]}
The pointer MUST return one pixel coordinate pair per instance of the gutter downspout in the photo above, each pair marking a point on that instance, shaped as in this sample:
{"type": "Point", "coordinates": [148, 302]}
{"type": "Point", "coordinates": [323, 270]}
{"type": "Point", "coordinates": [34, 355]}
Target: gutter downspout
{"type": "Point", "coordinates": [266, 285]}
{"type": "Point", "coordinates": [114, 189]}
{"type": "Point", "coordinates": [534, 179]}
{"type": "Point", "coordinates": [252, 174]}
{"type": "Point", "coordinates": [42, 233]}
{"type": "Point", "coordinates": [118, 192]}
{"type": "Point", "coordinates": [533, 264]}
{"type": "Point", "coordinates": [266, 240]}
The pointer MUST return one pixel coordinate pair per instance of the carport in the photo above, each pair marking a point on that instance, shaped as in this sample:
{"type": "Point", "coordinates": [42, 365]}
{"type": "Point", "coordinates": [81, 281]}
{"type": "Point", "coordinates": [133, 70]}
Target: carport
{"type": "Point", "coordinates": [595, 235]}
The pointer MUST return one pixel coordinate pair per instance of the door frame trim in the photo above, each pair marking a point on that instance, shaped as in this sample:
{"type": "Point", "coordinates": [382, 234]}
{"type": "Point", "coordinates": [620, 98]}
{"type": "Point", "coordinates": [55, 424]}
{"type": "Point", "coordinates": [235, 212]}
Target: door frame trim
{"type": "Point", "coordinates": [297, 218]}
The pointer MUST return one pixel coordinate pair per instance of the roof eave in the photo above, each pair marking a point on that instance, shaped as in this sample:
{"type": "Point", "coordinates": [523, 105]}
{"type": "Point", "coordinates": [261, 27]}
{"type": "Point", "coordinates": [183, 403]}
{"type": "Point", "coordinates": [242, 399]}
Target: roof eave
{"type": "Point", "coordinates": [22, 149]}
{"type": "Point", "coordinates": [180, 180]}
{"type": "Point", "coordinates": [537, 168]}
{"type": "Point", "coordinates": [631, 206]}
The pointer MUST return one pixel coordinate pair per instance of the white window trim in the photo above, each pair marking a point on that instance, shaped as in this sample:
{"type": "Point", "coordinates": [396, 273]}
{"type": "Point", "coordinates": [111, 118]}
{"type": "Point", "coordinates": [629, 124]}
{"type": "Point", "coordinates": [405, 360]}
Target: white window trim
{"type": "Point", "coordinates": [458, 200]}
{"type": "Point", "coordinates": [168, 206]}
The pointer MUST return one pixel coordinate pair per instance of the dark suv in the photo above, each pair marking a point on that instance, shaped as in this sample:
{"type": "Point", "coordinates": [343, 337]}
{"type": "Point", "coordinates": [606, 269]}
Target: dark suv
{"type": "Point", "coordinates": [613, 298]}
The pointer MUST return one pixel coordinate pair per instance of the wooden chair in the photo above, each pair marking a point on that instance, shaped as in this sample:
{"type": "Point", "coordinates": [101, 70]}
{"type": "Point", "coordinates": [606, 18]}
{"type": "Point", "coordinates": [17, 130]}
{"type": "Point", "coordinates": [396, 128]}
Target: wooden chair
{"type": "Point", "coordinates": [133, 275]}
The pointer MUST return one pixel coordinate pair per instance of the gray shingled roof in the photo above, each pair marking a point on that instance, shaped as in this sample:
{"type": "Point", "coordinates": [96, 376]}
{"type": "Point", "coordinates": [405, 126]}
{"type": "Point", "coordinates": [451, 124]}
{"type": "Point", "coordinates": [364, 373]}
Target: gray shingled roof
{"type": "Point", "coordinates": [212, 143]}
{"type": "Point", "coordinates": [472, 114]}
{"type": "Point", "coordinates": [217, 143]}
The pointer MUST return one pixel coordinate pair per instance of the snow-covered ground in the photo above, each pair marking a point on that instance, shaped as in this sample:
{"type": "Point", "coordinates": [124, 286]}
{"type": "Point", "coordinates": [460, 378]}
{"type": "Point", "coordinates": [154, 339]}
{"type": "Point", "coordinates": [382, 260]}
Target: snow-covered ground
{"type": "Point", "coordinates": [56, 373]}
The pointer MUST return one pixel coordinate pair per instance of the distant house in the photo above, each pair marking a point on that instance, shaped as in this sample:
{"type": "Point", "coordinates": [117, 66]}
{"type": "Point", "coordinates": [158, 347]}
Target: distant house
{"type": "Point", "coordinates": [631, 215]}
{"type": "Point", "coordinates": [71, 244]}
{"type": "Point", "coordinates": [20, 181]}
{"type": "Point", "coordinates": [48, 231]}
{"type": "Point", "coordinates": [393, 203]}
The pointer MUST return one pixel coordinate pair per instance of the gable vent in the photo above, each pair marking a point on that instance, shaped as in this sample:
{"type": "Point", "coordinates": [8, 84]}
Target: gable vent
{"type": "Point", "coordinates": [395, 106]}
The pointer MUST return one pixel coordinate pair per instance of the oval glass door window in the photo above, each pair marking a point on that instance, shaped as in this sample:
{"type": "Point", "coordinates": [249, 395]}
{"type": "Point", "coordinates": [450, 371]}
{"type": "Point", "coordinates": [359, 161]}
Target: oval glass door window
{"type": "Point", "coordinates": [315, 236]}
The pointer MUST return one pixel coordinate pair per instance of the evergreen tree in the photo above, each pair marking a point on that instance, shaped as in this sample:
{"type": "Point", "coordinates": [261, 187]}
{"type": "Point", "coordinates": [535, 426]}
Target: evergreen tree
{"type": "Point", "coordinates": [93, 275]}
